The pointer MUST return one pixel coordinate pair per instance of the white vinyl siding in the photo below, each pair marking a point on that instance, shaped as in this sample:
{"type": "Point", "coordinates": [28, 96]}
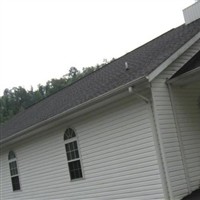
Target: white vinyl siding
{"type": "Point", "coordinates": [188, 115]}
{"type": "Point", "coordinates": [118, 157]}
{"type": "Point", "coordinates": [166, 126]}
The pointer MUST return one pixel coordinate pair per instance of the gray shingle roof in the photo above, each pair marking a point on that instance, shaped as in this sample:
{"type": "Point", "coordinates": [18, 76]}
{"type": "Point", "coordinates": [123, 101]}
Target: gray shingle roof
{"type": "Point", "coordinates": [141, 61]}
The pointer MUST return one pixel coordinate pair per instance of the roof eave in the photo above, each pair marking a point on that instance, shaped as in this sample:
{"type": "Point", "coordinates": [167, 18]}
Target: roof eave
{"type": "Point", "coordinates": [76, 108]}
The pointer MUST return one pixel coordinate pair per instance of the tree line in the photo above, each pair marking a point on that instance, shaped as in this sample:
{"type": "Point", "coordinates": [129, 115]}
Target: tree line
{"type": "Point", "coordinates": [18, 98]}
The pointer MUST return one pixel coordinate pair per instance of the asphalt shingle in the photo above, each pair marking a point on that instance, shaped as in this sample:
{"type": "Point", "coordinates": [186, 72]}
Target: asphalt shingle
{"type": "Point", "coordinates": [141, 61]}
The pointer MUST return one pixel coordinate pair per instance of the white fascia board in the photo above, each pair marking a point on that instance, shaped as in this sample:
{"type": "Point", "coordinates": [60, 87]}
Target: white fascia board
{"type": "Point", "coordinates": [76, 109]}
{"type": "Point", "coordinates": [173, 57]}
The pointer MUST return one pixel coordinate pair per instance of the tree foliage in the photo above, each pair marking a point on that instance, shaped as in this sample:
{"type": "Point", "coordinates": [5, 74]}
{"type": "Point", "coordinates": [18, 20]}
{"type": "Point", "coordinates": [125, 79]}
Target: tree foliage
{"type": "Point", "coordinates": [17, 99]}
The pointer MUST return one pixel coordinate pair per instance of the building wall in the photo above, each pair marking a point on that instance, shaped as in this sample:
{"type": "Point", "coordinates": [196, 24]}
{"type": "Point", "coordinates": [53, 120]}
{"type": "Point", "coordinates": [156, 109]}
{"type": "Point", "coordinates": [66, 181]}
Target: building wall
{"type": "Point", "coordinates": [166, 127]}
{"type": "Point", "coordinates": [192, 13]}
{"type": "Point", "coordinates": [188, 115]}
{"type": "Point", "coordinates": [1, 174]}
{"type": "Point", "coordinates": [118, 156]}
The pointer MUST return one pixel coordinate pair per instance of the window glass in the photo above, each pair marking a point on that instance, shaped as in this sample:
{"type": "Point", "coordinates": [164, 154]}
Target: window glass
{"type": "Point", "coordinates": [73, 156]}
{"type": "Point", "coordinates": [13, 168]}
{"type": "Point", "coordinates": [72, 150]}
{"type": "Point", "coordinates": [75, 169]}
{"type": "Point", "coordinates": [15, 183]}
{"type": "Point", "coordinates": [11, 155]}
{"type": "Point", "coordinates": [69, 133]}
{"type": "Point", "coordinates": [14, 171]}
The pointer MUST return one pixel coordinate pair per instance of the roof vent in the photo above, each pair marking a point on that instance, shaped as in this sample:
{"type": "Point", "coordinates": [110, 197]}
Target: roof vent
{"type": "Point", "coordinates": [192, 13]}
{"type": "Point", "coordinates": [126, 66]}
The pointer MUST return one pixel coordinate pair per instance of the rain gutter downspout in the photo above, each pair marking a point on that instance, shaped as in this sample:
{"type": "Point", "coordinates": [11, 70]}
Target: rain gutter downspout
{"type": "Point", "coordinates": [167, 185]}
{"type": "Point", "coordinates": [158, 144]}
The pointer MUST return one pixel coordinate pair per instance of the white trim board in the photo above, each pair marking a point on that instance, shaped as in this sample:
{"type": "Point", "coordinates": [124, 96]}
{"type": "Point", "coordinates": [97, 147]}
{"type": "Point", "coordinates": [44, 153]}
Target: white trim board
{"type": "Point", "coordinates": [173, 57]}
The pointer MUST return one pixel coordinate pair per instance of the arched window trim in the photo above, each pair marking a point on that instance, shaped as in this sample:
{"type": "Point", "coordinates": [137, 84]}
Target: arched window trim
{"type": "Point", "coordinates": [73, 140]}
{"type": "Point", "coordinates": [9, 155]}
{"type": "Point", "coordinates": [71, 130]}
{"type": "Point", "coordinates": [14, 172]}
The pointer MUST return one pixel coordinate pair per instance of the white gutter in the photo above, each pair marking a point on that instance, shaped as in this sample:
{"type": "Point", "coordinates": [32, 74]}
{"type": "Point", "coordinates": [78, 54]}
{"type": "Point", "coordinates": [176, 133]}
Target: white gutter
{"type": "Point", "coordinates": [173, 57]}
{"type": "Point", "coordinates": [76, 108]}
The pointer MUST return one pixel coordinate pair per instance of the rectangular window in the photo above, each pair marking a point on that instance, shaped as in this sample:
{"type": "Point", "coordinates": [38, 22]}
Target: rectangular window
{"type": "Point", "coordinates": [72, 150]}
{"type": "Point", "coordinates": [15, 183]}
{"type": "Point", "coordinates": [75, 169]}
{"type": "Point", "coordinates": [73, 156]}
{"type": "Point", "coordinates": [14, 171]}
{"type": "Point", "coordinates": [14, 175]}
{"type": "Point", "coordinates": [13, 168]}
{"type": "Point", "coordinates": [73, 160]}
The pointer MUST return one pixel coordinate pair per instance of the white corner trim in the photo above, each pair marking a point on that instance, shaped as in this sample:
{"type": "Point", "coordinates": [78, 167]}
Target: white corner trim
{"type": "Point", "coordinates": [159, 153]}
{"type": "Point", "coordinates": [173, 57]}
{"type": "Point", "coordinates": [169, 191]}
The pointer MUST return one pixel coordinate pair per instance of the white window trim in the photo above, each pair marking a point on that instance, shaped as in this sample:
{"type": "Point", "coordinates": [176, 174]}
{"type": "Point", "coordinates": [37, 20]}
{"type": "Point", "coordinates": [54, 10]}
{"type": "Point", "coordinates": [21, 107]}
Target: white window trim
{"type": "Point", "coordinates": [18, 174]}
{"type": "Point", "coordinates": [80, 157]}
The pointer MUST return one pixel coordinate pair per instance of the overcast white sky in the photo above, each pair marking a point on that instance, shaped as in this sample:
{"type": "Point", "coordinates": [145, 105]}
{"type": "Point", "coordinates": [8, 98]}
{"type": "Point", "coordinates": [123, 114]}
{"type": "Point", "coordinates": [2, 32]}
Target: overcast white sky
{"type": "Point", "coordinates": [42, 39]}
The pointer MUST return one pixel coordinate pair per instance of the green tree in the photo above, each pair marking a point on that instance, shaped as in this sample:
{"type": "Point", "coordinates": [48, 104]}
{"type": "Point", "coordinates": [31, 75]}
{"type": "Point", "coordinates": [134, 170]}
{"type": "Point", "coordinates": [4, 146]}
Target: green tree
{"type": "Point", "coordinates": [17, 99]}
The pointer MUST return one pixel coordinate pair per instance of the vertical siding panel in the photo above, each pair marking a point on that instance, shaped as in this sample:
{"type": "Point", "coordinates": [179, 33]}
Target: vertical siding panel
{"type": "Point", "coordinates": [118, 156]}
{"type": "Point", "coordinates": [167, 127]}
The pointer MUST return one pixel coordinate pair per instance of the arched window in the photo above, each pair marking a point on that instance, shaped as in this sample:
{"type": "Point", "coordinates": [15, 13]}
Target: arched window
{"type": "Point", "coordinates": [69, 133]}
{"type": "Point", "coordinates": [73, 156]}
{"type": "Point", "coordinates": [14, 171]}
{"type": "Point", "coordinates": [11, 155]}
